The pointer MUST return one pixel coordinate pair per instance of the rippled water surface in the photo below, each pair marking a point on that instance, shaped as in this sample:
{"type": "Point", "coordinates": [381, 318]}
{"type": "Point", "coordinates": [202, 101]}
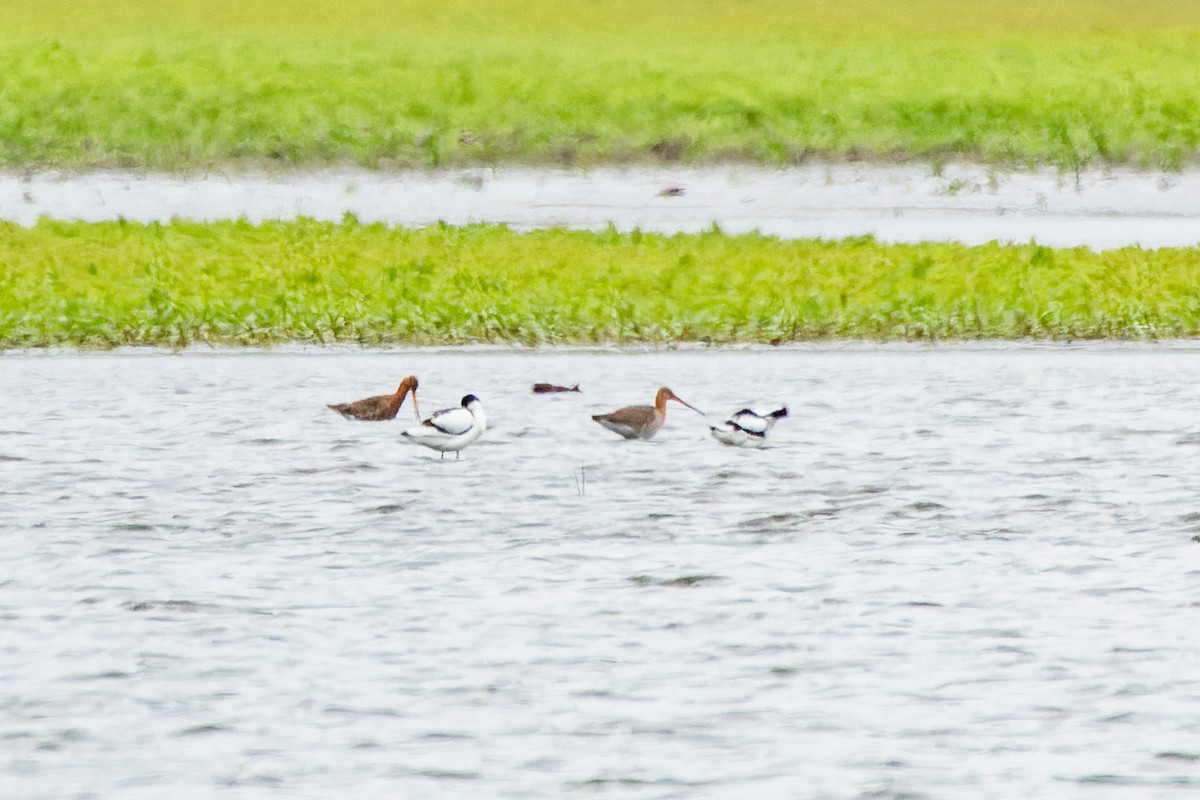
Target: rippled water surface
{"type": "Point", "coordinates": [958, 572]}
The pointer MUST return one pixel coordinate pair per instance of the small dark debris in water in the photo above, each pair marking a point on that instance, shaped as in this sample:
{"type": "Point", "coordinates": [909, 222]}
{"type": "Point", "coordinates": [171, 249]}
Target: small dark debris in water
{"type": "Point", "coordinates": [682, 581]}
{"type": "Point", "coordinates": [594, 783]}
{"type": "Point", "coordinates": [253, 780]}
{"type": "Point", "coordinates": [770, 522]}
{"type": "Point", "coordinates": [165, 605]}
{"type": "Point", "coordinates": [1172, 755]}
{"type": "Point", "coordinates": [112, 674]}
{"type": "Point", "coordinates": [389, 508]}
{"type": "Point", "coordinates": [673, 191]}
{"type": "Point", "coordinates": [449, 775]}
{"type": "Point", "coordinates": [135, 527]}
{"type": "Point", "coordinates": [361, 466]}
{"type": "Point", "coordinates": [889, 794]}
{"type": "Point", "coordinates": [1110, 780]}
{"type": "Point", "coordinates": [200, 730]}
{"type": "Point", "coordinates": [550, 388]}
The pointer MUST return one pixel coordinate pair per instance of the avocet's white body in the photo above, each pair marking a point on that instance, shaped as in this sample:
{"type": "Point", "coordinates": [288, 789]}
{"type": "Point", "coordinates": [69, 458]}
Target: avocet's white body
{"type": "Point", "coordinates": [451, 429]}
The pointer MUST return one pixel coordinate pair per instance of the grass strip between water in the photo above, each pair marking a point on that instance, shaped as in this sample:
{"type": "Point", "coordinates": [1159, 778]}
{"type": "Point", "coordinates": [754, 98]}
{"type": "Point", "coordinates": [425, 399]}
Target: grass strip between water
{"type": "Point", "coordinates": [118, 283]}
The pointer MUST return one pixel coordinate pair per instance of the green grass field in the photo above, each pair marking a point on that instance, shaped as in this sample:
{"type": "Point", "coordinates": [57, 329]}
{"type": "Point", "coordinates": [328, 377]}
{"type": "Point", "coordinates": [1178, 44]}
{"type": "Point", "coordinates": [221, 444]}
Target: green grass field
{"type": "Point", "coordinates": [185, 84]}
{"type": "Point", "coordinates": [109, 284]}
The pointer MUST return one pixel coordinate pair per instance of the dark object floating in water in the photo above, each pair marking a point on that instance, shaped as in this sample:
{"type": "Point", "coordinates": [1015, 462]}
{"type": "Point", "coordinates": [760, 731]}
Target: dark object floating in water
{"type": "Point", "coordinates": [672, 191]}
{"type": "Point", "coordinates": [162, 605]}
{"type": "Point", "coordinates": [682, 581]}
{"type": "Point", "coordinates": [550, 388]}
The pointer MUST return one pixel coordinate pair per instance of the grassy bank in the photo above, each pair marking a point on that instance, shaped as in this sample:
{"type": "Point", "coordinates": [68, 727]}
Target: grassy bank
{"type": "Point", "coordinates": [182, 84]}
{"type": "Point", "coordinates": [109, 284]}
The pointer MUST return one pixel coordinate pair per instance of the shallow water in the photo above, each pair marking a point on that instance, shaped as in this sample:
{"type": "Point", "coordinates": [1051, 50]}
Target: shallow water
{"type": "Point", "coordinates": [957, 572]}
{"type": "Point", "coordinates": [896, 203]}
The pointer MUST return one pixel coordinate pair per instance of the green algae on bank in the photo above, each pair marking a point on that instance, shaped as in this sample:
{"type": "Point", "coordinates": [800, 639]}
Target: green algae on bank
{"type": "Point", "coordinates": [118, 283]}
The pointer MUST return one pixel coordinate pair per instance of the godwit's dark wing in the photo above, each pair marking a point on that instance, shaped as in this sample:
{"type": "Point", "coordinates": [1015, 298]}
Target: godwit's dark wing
{"type": "Point", "coordinates": [630, 416]}
{"type": "Point", "coordinates": [380, 407]}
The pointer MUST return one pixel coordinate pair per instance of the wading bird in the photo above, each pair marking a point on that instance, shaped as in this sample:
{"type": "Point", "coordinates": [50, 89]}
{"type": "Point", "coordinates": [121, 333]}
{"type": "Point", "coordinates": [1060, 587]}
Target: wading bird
{"type": "Point", "coordinates": [451, 429]}
{"type": "Point", "coordinates": [641, 422]}
{"type": "Point", "coordinates": [380, 407]}
{"type": "Point", "coordinates": [746, 428]}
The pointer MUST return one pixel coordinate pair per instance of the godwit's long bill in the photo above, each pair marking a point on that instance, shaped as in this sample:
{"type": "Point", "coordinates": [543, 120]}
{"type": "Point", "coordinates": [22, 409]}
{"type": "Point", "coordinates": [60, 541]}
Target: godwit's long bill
{"type": "Point", "coordinates": [451, 429]}
{"type": "Point", "coordinates": [641, 422]}
{"type": "Point", "coordinates": [383, 406]}
{"type": "Point", "coordinates": [745, 428]}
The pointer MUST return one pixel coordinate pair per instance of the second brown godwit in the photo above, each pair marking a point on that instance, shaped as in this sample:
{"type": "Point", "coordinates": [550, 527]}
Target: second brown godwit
{"type": "Point", "coordinates": [380, 407]}
{"type": "Point", "coordinates": [641, 422]}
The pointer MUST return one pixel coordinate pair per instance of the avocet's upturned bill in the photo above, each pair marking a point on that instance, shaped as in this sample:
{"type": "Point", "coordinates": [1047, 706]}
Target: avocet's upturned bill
{"type": "Point", "coordinates": [746, 428]}
{"type": "Point", "coordinates": [641, 422]}
{"type": "Point", "coordinates": [451, 429]}
{"type": "Point", "coordinates": [383, 406]}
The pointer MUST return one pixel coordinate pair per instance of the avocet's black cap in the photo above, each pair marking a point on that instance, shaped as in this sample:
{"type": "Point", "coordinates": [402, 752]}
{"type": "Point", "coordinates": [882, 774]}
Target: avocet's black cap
{"type": "Point", "coordinates": [466, 401]}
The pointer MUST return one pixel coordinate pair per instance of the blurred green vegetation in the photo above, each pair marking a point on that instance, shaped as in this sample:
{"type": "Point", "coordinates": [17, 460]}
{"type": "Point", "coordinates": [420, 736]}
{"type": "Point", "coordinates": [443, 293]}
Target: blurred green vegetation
{"type": "Point", "coordinates": [109, 284]}
{"type": "Point", "coordinates": [194, 84]}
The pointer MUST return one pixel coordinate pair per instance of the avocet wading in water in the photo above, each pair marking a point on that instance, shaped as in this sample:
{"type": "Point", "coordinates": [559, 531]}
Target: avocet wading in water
{"type": "Point", "coordinates": [451, 429]}
{"type": "Point", "coordinates": [641, 422]}
{"type": "Point", "coordinates": [383, 406]}
{"type": "Point", "coordinates": [745, 428]}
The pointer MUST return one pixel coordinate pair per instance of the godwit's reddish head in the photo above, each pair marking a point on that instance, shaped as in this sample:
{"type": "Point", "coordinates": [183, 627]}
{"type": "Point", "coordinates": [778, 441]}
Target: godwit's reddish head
{"type": "Point", "coordinates": [665, 394]}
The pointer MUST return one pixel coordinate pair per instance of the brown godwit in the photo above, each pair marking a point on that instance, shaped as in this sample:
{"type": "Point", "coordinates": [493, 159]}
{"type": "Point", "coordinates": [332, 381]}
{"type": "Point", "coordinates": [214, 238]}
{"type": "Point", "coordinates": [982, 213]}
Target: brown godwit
{"type": "Point", "coordinates": [641, 422]}
{"type": "Point", "coordinates": [380, 407]}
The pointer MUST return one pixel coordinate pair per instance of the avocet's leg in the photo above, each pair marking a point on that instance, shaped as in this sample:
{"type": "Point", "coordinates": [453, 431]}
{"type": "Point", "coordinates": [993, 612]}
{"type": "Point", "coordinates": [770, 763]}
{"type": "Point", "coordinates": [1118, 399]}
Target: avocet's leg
{"type": "Point", "coordinates": [457, 453]}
